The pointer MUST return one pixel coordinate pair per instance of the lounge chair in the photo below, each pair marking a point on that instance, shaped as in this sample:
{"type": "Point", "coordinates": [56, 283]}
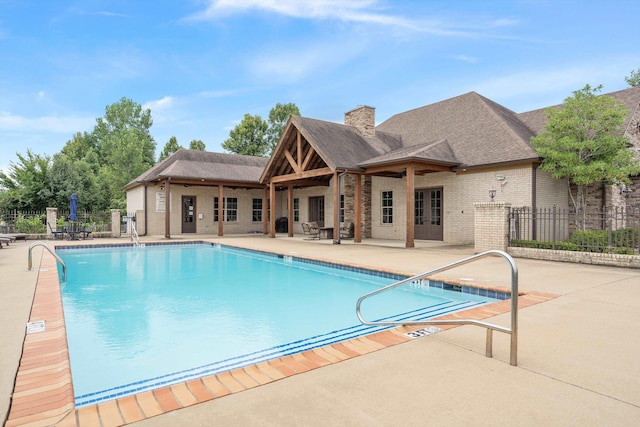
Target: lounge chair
{"type": "Point", "coordinates": [311, 229]}
{"type": "Point", "coordinates": [8, 237]}
{"type": "Point", "coordinates": [4, 240]}
{"type": "Point", "coordinates": [58, 234]}
{"type": "Point", "coordinates": [346, 231]}
{"type": "Point", "coordinates": [14, 236]}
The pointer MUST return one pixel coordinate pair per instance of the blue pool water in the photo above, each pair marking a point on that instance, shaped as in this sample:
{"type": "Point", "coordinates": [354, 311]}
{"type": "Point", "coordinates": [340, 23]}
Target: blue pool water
{"type": "Point", "coordinates": [138, 319]}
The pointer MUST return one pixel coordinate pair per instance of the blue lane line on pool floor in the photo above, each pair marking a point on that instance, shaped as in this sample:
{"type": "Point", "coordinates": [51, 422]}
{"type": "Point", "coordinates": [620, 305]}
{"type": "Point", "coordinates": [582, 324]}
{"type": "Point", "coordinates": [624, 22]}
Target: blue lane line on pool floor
{"type": "Point", "coordinates": [282, 350]}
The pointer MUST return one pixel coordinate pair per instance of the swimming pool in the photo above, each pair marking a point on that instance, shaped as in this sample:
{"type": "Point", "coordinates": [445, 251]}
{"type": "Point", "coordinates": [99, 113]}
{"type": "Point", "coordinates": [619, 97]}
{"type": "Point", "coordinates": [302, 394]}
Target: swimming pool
{"type": "Point", "coordinates": [139, 319]}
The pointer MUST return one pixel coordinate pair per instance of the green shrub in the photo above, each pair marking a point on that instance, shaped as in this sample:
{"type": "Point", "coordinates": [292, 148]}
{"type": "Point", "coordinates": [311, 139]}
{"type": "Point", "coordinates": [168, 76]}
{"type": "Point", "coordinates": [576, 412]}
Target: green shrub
{"type": "Point", "coordinates": [31, 225]}
{"type": "Point", "coordinates": [623, 241]}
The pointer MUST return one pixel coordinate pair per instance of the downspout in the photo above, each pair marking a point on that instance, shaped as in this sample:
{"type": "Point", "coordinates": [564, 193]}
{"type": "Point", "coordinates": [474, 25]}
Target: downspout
{"type": "Point", "coordinates": [146, 189]}
{"type": "Point", "coordinates": [337, 242]}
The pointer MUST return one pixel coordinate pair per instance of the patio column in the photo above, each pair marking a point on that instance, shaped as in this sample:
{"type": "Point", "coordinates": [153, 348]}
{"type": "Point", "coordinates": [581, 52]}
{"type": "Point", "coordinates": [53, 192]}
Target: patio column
{"type": "Point", "coordinates": [410, 206]}
{"type": "Point", "coordinates": [357, 224]}
{"type": "Point", "coordinates": [272, 208]}
{"type": "Point", "coordinates": [336, 207]}
{"type": "Point", "coordinates": [220, 210]}
{"type": "Point", "coordinates": [290, 210]}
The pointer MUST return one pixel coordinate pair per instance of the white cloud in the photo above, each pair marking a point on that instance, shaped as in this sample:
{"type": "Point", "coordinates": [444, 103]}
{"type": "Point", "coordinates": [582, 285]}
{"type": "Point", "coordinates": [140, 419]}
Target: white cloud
{"type": "Point", "coordinates": [465, 58]}
{"type": "Point", "coordinates": [295, 64]}
{"type": "Point", "coordinates": [355, 11]}
{"type": "Point", "coordinates": [160, 104]}
{"type": "Point", "coordinates": [55, 124]}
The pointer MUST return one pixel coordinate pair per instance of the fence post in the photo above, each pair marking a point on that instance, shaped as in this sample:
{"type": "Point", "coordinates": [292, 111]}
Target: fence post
{"type": "Point", "coordinates": [52, 220]}
{"type": "Point", "coordinates": [115, 223]}
{"type": "Point", "coordinates": [553, 227]}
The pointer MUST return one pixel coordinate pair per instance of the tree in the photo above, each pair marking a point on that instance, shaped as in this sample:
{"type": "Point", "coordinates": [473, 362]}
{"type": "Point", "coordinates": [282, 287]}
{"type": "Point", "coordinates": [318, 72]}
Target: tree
{"type": "Point", "coordinates": [248, 137]}
{"type": "Point", "coordinates": [124, 145]}
{"type": "Point", "coordinates": [196, 144]}
{"type": "Point", "coordinates": [80, 147]}
{"type": "Point", "coordinates": [169, 148]}
{"type": "Point", "coordinates": [634, 78]}
{"type": "Point", "coordinates": [583, 142]}
{"type": "Point", "coordinates": [25, 185]}
{"type": "Point", "coordinates": [278, 118]}
{"type": "Point", "coordinates": [68, 176]}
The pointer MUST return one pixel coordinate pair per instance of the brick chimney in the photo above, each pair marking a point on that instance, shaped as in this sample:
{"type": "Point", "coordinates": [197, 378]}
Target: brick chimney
{"type": "Point", "coordinates": [362, 118]}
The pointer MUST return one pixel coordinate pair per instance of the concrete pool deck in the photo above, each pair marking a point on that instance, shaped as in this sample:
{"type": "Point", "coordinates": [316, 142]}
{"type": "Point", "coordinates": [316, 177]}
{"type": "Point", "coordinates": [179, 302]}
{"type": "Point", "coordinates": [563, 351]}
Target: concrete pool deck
{"type": "Point", "coordinates": [578, 358]}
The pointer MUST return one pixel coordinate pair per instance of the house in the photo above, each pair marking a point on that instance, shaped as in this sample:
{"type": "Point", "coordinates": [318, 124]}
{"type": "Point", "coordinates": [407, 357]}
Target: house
{"type": "Point", "coordinates": [414, 176]}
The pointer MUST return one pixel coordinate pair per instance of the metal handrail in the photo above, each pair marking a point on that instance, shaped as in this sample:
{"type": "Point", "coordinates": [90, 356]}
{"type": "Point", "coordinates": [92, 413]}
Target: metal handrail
{"type": "Point", "coordinates": [55, 255]}
{"type": "Point", "coordinates": [513, 330]}
{"type": "Point", "coordinates": [134, 234]}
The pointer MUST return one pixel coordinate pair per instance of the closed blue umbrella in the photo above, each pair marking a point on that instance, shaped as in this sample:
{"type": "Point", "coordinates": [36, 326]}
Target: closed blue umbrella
{"type": "Point", "coordinates": [73, 207]}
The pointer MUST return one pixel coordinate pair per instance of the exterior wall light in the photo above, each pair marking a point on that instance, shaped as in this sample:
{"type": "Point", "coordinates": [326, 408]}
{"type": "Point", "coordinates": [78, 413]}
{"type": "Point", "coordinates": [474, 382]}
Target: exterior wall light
{"type": "Point", "coordinates": [492, 194]}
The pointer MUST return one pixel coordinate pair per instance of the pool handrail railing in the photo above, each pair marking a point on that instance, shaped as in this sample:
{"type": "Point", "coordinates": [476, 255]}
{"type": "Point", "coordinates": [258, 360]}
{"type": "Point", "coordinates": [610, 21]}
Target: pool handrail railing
{"type": "Point", "coordinates": [512, 330]}
{"type": "Point", "coordinates": [134, 235]}
{"type": "Point", "coordinates": [55, 255]}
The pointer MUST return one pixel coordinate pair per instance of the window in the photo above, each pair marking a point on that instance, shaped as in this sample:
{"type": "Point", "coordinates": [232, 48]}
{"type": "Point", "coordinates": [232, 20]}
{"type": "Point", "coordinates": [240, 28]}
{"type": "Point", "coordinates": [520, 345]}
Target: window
{"type": "Point", "coordinates": [387, 207]}
{"type": "Point", "coordinates": [257, 210]}
{"type": "Point", "coordinates": [296, 210]}
{"type": "Point", "coordinates": [232, 209]}
{"type": "Point", "coordinates": [436, 207]}
{"type": "Point", "coordinates": [342, 208]}
{"type": "Point", "coordinates": [229, 207]}
{"type": "Point", "coordinates": [419, 208]}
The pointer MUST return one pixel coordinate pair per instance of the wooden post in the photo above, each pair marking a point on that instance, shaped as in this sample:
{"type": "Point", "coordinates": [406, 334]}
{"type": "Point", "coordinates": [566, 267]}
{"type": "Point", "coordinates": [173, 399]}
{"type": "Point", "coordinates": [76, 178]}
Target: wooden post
{"type": "Point", "coordinates": [357, 230]}
{"type": "Point", "coordinates": [336, 207]}
{"type": "Point", "coordinates": [272, 208]}
{"type": "Point", "coordinates": [290, 210]}
{"type": "Point", "coordinates": [410, 207]}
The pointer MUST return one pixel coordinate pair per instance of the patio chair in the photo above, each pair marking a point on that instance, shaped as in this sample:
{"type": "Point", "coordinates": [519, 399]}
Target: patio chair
{"type": "Point", "coordinates": [86, 232]}
{"type": "Point", "coordinates": [346, 231]}
{"type": "Point", "coordinates": [58, 234]}
{"type": "Point", "coordinates": [311, 229]}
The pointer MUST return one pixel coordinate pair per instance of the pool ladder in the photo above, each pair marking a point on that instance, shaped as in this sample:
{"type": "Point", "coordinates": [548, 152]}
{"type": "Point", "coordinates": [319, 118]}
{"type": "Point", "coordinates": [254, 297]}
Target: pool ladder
{"type": "Point", "coordinates": [55, 255]}
{"type": "Point", "coordinates": [512, 330]}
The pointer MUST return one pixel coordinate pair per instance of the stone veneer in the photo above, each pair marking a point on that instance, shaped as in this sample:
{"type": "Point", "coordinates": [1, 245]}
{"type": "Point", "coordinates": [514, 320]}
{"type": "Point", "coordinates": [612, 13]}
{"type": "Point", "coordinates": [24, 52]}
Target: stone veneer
{"type": "Point", "coordinates": [362, 118]}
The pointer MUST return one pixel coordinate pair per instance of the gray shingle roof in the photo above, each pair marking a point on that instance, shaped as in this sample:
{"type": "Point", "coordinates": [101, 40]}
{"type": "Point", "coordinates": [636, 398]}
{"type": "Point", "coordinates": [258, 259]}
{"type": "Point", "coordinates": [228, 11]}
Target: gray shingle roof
{"type": "Point", "coordinates": [437, 152]}
{"type": "Point", "coordinates": [467, 130]}
{"type": "Point", "coordinates": [195, 164]}
{"type": "Point", "coordinates": [343, 146]}
{"type": "Point", "coordinates": [537, 119]}
{"type": "Point", "coordinates": [478, 131]}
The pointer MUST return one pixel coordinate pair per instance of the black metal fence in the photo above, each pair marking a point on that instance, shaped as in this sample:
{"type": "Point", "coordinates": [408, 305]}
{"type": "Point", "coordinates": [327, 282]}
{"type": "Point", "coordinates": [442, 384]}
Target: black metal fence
{"type": "Point", "coordinates": [35, 222]}
{"type": "Point", "coordinates": [609, 230]}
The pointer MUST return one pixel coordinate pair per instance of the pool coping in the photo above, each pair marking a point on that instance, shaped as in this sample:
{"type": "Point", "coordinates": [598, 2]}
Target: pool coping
{"type": "Point", "coordinates": [43, 391]}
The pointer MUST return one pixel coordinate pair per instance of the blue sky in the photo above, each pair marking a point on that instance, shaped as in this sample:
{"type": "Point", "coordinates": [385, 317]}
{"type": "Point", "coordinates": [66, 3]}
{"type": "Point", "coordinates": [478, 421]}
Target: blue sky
{"type": "Point", "coordinates": [200, 65]}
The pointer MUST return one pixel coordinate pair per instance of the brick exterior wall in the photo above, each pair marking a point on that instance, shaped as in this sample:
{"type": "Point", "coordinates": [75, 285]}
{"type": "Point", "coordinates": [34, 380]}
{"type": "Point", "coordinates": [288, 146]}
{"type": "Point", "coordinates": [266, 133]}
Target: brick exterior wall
{"type": "Point", "coordinates": [613, 260]}
{"type": "Point", "coordinates": [204, 205]}
{"type": "Point", "coordinates": [460, 191]}
{"type": "Point", "coordinates": [491, 226]}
